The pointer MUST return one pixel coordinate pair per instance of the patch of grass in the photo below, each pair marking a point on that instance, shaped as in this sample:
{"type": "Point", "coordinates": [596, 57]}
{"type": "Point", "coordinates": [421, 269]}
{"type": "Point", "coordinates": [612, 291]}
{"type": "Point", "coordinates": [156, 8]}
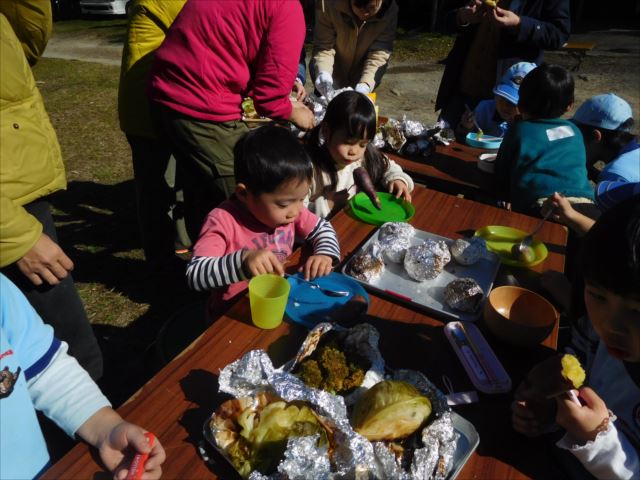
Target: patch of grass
{"type": "Point", "coordinates": [421, 46]}
{"type": "Point", "coordinates": [81, 99]}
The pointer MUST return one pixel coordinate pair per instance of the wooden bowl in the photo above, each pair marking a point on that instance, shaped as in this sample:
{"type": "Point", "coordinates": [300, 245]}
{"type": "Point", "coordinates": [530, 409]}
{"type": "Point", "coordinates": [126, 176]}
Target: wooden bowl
{"type": "Point", "coordinates": [519, 316]}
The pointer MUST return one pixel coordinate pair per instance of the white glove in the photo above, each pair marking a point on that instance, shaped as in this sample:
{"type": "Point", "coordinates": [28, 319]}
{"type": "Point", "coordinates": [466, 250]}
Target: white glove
{"type": "Point", "coordinates": [363, 88]}
{"type": "Point", "coordinates": [324, 83]}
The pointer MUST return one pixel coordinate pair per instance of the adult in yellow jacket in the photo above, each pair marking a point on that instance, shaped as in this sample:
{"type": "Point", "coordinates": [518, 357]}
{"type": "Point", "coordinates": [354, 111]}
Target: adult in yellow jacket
{"type": "Point", "coordinates": [31, 168]}
{"type": "Point", "coordinates": [158, 197]}
{"type": "Point", "coordinates": [352, 43]}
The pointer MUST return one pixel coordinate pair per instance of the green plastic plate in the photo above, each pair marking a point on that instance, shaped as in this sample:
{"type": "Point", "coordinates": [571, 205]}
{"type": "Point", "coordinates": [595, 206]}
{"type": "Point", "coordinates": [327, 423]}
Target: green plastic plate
{"type": "Point", "coordinates": [500, 240]}
{"type": "Point", "coordinates": [393, 209]}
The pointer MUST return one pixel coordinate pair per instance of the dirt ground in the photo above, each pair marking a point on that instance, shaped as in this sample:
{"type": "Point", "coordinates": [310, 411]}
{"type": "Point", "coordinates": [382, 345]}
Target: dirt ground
{"type": "Point", "coordinates": [410, 88]}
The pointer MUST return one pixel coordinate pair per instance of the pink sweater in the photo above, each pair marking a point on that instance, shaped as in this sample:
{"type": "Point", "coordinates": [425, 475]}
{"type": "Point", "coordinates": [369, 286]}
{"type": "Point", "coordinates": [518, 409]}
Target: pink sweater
{"type": "Point", "coordinates": [219, 51]}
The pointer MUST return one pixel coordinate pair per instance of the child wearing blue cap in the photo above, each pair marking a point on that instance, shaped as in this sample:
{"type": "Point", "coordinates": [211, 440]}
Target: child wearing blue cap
{"type": "Point", "coordinates": [606, 122]}
{"type": "Point", "coordinates": [495, 115]}
{"type": "Point", "coordinates": [543, 153]}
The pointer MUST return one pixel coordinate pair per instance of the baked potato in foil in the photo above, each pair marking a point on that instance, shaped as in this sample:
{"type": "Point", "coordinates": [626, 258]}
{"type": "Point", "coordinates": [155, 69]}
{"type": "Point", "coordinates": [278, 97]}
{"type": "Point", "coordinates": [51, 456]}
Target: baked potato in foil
{"type": "Point", "coordinates": [253, 432]}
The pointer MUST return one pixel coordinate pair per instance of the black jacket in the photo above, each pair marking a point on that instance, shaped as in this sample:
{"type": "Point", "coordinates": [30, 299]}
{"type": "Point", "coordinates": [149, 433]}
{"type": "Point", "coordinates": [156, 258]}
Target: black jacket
{"type": "Point", "coordinates": [544, 25]}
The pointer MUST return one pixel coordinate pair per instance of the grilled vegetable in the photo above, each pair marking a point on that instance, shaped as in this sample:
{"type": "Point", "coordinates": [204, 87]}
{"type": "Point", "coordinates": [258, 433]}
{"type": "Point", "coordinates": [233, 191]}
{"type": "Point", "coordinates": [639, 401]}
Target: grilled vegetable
{"type": "Point", "coordinates": [363, 182]}
{"type": "Point", "coordinates": [390, 410]}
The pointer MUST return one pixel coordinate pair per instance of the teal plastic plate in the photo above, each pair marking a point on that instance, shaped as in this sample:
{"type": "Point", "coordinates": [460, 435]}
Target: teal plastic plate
{"type": "Point", "coordinates": [485, 141]}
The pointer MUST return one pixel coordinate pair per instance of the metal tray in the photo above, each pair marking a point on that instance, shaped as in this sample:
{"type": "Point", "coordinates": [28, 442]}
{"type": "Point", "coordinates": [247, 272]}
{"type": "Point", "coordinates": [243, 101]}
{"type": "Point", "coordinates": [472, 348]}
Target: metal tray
{"type": "Point", "coordinates": [467, 443]}
{"type": "Point", "coordinates": [429, 295]}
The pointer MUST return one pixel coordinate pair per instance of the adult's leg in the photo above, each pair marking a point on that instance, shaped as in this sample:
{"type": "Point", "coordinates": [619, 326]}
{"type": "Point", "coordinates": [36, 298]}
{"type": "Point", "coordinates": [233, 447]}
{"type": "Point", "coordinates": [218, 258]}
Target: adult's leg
{"type": "Point", "coordinates": [155, 199]}
{"type": "Point", "coordinates": [60, 305]}
{"type": "Point", "coordinates": [204, 155]}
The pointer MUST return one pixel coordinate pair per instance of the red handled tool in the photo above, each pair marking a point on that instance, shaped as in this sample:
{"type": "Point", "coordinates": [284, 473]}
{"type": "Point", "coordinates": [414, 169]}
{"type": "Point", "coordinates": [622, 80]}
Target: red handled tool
{"type": "Point", "coordinates": [136, 469]}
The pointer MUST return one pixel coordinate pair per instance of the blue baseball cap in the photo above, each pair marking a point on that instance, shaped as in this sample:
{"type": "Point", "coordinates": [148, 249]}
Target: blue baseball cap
{"type": "Point", "coordinates": [509, 84]}
{"type": "Point", "coordinates": [607, 111]}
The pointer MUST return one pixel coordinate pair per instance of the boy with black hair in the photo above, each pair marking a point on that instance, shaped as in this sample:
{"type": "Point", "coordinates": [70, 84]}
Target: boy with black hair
{"type": "Point", "coordinates": [543, 153]}
{"type": "Point", "coordinates": [253, 232]}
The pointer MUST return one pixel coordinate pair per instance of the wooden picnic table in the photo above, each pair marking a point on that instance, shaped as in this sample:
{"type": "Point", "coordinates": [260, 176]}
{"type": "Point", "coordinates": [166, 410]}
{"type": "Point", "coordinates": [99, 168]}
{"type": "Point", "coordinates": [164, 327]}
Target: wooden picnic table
{"type": "Point", "coordinates": [177, 401]}
{"type": "Point", "coordinates": [451, 169]}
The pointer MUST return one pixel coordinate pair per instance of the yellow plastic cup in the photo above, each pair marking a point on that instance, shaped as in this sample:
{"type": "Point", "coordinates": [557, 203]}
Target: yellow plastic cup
{"type": "Point", "coordinates": [268, 296]}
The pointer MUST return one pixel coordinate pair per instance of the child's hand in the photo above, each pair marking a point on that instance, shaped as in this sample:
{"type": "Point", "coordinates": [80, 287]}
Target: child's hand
{"type": "Point", "coordinates": [467, 120]}
{"type": "Point", "coordinates": [124, 441]}
{"type": "Point", "coordinates": [317, 266]}
{"type": "Point", "coordinates": [400, 189]}
{"type": "Point", "coordinates": [530, 414]}
{"type": "Point", "coordinates": [584, 422]}
{"type": "Point", "coordinates": [563, 213]}
{"type": "Point", "coordinates": [259, 262]}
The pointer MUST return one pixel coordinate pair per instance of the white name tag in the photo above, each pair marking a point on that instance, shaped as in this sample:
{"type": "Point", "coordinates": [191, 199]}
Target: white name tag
{"type": "Point", "coordinates": [559, 133]}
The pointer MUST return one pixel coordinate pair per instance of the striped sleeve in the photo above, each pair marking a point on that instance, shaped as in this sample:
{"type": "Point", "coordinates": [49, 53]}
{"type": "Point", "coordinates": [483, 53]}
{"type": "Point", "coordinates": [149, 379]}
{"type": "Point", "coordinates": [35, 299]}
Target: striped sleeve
{"type": "Point", "coordinates": [609, 193]}
{"type": "Point", "coordinates": [207, 273]}
{"type": "Point", "coordinates": [324, 240]}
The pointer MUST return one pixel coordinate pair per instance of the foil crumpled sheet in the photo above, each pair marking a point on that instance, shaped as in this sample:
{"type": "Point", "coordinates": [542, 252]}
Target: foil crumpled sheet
{"type": "Point", "coordinates": [426, 260]}
{"type": "Point", "coordinates": [368, 265]}
{"type": "Point", "coordinates": [354, 456]}
{"type": "Point", "coordinates": [463, 294]}
{"type": "Point", "coordinates": [395, 239]}
{"type": "Point", "coordinates": [393, 134]}
{"type": "Point", "coordinates": [412, 128]}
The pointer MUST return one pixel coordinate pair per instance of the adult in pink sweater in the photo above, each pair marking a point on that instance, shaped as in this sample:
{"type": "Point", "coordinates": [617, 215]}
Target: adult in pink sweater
{"type": "Point", "coordinates": [216, 53]}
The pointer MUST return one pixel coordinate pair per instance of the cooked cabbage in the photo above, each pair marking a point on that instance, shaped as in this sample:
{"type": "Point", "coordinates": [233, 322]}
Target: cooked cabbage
{"type": "Point", "coordinates": [390, 410]}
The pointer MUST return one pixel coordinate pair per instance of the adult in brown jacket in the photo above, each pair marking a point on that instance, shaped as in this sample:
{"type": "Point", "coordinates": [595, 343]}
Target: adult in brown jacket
{"type": "Point", "coordinates": [352, 43]}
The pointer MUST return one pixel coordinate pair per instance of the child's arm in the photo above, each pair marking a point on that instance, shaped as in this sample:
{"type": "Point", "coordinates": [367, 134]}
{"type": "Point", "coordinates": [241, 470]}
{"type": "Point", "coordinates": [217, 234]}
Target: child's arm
{"type": "Point", "coordinates": [567, 215]}
{"type": "Point", "coordinates": [323, 238]}
{"type": "Point", "coordinates": [398, 182]}
{"type": "Point", "coordinates": [593, 438]}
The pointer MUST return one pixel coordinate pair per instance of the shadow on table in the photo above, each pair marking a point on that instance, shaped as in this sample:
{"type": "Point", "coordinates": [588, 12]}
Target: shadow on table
{"type": "Point", "coordinates": [425, 348]}
{"type": "Point", "coordinates": [201, 388]}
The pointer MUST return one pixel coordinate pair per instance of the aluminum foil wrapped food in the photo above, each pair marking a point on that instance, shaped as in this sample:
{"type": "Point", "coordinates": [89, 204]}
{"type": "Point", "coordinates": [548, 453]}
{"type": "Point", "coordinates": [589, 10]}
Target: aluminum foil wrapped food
{"type": "Point", "coordinates": [463, 294]}
{"type": "Point", "coordinates": [350, 455]}
{"type": "Point", "coordinates": [378, 140]}
{"type": "Point", "coordinates": [412, 128]}
{"type": "Point", "coordinates": [433, 456]}
{"type": "Point", "coordinates": [360, 341]}
{"type": "Point", "coordinates": [395, 238]}
{"type": "Point", "coordinates": [318, 104]}
{"type": "Point", "coordinates": [426, 260]}
{"type": "Point", "coordinates": [367, 265]}
{"type": "Point", "coordinates": [468, 251]}
{"type": "Point", "coordinates": [350, 450]}
{"type": "Point", "coordinates": [393, 134]}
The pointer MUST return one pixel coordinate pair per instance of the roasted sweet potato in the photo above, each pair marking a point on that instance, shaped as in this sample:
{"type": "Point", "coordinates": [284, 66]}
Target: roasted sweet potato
{"type": "Point", "coordinates": [363, 182]}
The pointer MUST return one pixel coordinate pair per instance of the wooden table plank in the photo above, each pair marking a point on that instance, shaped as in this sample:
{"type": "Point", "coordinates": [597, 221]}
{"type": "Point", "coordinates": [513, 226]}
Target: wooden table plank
{"type": "Point", "coordinates": [176, 402]}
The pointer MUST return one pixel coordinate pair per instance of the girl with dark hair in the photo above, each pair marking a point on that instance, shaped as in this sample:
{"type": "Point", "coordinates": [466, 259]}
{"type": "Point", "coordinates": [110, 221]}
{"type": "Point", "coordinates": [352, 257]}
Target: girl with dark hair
{"type": "Point", "coordinates": [342, 143]}
{"type": "Point", "coordinates": [603, 432]}
{"type": "Point", "coordinates": [253, 232]}
{"type": "Point", "coordinates": [543, 153]}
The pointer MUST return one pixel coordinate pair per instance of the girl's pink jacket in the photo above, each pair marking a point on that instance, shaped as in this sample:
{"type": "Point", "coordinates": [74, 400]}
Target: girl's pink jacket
{"type": "Point", "coordinates": [219, 51]}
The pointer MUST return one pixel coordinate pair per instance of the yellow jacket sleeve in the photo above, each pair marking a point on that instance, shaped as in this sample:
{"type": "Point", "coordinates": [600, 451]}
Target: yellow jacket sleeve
{"type": "Point", "coordinates": [20, 231]}
{"type": "Point", "coordinates": [31, 21]}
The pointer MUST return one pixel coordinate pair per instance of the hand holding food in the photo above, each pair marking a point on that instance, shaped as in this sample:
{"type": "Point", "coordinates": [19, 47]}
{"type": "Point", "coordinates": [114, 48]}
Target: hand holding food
{"type": "Point", "coordinates": [556, 375]}
{"type": "Point", "coordinates": [505, 18]}
{"type": "Point", "coordinates": [583, 422]}
{"type": "Point", "coordinates": [363, 182]}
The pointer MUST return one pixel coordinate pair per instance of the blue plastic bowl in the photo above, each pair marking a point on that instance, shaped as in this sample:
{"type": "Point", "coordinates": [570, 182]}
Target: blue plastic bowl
{"type": "Point", "coordinates": [485, 141]}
